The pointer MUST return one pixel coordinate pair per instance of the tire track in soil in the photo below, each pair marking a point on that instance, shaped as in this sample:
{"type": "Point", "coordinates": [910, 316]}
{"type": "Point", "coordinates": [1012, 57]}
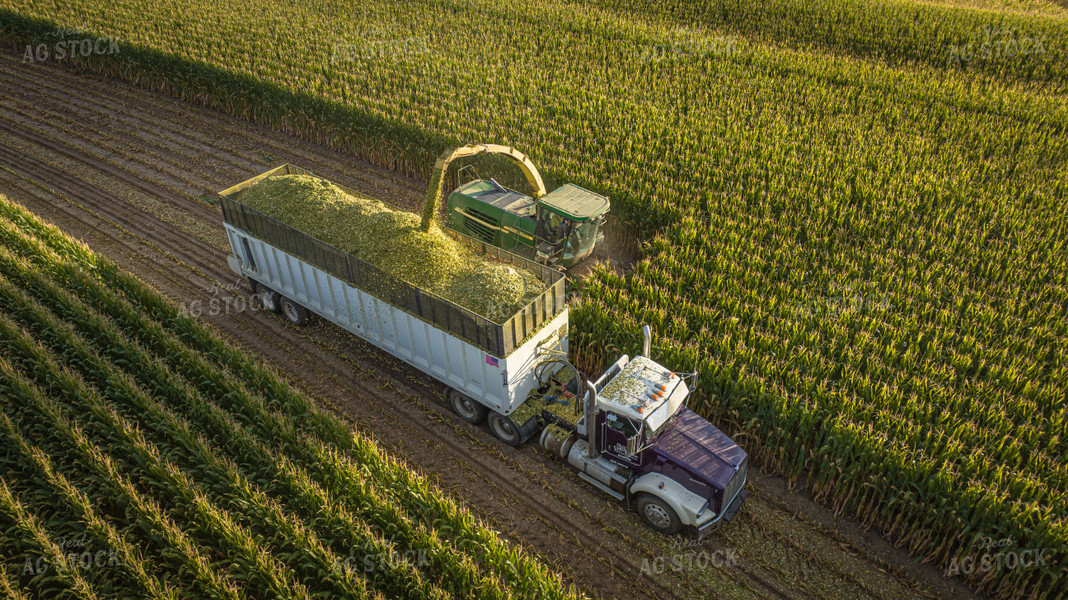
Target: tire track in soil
{"type": "Point", "coordinates": [228, 133]}
{"type": "Point", "coordinates": [84, 154]}
{"type": "Point", "coordinates": [557, 518]}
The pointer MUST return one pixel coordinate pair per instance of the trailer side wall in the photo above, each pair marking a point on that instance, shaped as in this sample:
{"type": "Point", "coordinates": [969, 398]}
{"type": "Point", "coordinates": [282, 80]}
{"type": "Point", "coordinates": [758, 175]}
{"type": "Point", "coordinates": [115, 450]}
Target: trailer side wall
{"type": "Point", "coordinates": [501, 384]}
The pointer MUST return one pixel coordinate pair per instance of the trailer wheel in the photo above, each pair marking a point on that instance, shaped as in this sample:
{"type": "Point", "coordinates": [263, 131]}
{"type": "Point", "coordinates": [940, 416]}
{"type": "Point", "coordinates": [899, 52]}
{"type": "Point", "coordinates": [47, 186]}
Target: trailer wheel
{"type": "Point", "coordinates": [504, 429]}
{"type": "Point", "coordinates": [657, 514]}
{"type": "Point", "coordinates": [271, 299]}
{"type": "Point", "coordinates": [468, 409]}
{"type": "Point", "coordinates": [295, 313]}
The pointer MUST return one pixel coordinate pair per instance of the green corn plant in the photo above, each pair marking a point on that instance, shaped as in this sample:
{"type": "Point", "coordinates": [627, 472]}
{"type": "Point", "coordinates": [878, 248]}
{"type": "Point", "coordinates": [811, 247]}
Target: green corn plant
{"type": "Point", "coordinates": [32, 528]}
{"type": "Point", "coordinates": [129, 557]}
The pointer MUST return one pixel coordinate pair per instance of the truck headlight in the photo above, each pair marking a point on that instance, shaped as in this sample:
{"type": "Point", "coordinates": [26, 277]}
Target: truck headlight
{"type": "Point", "coordinates": [704, 507]}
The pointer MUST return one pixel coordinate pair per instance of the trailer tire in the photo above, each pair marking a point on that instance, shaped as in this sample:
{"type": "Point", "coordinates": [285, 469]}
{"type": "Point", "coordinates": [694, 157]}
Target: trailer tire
{"type": "Point", "coordinates": [505, 429]}
{"type": "Point", "coordinates": [468, 409]}
{"type": "Point", "coordinates": [657, 514]}
{"type": "Point", "coordinates": [294, 313]}
{"type": "Point", "coordinates": [272, 300]}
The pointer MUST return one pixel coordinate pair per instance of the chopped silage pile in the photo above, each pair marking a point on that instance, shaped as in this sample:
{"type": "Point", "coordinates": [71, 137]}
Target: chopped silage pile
{"type": "Point", "coordinates": [391, 241]}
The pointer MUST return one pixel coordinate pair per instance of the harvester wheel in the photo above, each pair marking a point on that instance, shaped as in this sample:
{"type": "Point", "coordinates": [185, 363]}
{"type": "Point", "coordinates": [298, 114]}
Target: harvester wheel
{"type": "Point", "coordinates": [468, 409]}
{"type": "Point", "coordinates": [295, 313]}
{"type": "Point", "coordinates": [657, 514]}
{"type": "Point", "coordinates": [504, 429]}
{"type": "Point", "coordinates": [271, 299]}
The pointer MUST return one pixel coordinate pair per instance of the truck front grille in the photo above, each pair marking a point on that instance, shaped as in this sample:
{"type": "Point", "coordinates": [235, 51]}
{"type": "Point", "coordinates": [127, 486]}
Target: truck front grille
{"type": "Point", "coordinates": [735, 485]}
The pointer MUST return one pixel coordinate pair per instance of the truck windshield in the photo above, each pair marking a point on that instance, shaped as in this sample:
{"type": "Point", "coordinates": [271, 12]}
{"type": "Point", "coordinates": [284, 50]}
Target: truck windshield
{"type": "Point", "coordinates": [581, 239]}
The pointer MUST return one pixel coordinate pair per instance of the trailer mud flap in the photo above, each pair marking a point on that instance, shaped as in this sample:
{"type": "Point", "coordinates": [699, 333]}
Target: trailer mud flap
{"type": "Point", "coordinates": [235, 264]}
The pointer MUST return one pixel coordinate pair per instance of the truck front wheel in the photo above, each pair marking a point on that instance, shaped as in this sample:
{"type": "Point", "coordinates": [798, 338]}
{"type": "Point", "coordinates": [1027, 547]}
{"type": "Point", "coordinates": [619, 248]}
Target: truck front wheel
{"type": "Point", "coordinates": [657, 514]}
{"type": "Point", "coordinates": [504, 429]}
{"type": "Point", "coordinates": [468, 409]}
{"type": "Point", "coordinates": [295, 313]}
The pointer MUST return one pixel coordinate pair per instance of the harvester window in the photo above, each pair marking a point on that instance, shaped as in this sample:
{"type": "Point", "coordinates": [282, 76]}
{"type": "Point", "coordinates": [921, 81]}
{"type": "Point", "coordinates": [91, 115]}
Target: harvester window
{"type": "Point", "coordinates": [555, 226]}
{"type": "Point", "coordinates": [581, 240]}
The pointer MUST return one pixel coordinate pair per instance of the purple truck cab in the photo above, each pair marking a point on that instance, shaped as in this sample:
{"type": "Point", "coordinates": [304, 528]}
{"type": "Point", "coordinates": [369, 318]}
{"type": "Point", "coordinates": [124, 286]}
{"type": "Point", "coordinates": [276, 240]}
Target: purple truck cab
{"type": "Point", "coordinates": [650, 451]}
{"type": "Point", "coordinates": [701, 457]}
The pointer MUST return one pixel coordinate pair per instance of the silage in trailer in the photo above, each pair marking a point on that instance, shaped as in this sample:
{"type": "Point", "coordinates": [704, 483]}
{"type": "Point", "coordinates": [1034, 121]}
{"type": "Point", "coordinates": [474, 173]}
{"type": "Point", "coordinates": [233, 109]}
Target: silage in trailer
{"type": "Point", "coordinates": [477, 292]}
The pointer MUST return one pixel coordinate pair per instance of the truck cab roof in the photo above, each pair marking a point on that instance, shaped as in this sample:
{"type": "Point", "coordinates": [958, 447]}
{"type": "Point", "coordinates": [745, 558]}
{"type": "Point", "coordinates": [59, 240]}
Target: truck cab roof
{"type": "Point", "coordinates": [701, 448]}
{"type": "Point", "coordinates": [644, 391]}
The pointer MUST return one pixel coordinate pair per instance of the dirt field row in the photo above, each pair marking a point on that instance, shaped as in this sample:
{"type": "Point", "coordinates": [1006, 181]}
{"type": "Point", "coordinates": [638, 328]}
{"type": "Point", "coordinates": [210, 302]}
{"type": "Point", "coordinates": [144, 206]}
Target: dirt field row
{"type": "Point", "coordinates": [133, 174]}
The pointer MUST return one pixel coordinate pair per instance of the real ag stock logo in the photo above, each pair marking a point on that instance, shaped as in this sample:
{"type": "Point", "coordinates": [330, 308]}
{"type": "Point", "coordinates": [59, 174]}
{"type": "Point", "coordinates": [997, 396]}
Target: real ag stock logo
{"type": "Point", "coordinates": [689, 556]}
{"type": "Point", "coordinates": [74, 554]}
{"type": "Point", "coordinates": [996, 44]}
{"type": "Point", "coordinates": [378, 43]}
{"type": "Point", "coordinates": [223, 298]}
{"type": "Point", "coordinates": [997, 555]}
{"type": "Point", "coordinates": [69, 42]}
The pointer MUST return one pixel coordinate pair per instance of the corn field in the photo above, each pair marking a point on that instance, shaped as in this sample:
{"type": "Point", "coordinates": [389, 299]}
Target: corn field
{"type": "Point", "coordinates": [851, 214]}
{"type": "Point", "coordinates": [183, 469]}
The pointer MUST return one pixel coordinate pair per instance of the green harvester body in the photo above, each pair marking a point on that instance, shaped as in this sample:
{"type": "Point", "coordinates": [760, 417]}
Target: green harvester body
{"type": "Point", "coordinates": [561, 227]}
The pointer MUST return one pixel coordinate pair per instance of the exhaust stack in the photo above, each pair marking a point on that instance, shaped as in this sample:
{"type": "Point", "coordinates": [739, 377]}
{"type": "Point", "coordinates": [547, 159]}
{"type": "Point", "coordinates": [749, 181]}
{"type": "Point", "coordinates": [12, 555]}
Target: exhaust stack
{"type": "Point", "coordinates": [590, 415]}
{"type": "Point", "coordinates": [647, 340]}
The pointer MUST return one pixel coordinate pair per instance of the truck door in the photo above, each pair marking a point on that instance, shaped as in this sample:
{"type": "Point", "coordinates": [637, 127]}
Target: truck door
{"type": "Point", "coordinates": [622, 439]}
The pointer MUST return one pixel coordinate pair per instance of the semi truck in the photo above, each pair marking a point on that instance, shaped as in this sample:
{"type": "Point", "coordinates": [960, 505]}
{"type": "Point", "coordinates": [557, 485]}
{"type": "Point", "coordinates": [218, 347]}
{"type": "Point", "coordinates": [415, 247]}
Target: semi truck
{"type": "Point", "coordinates": [628, 432]}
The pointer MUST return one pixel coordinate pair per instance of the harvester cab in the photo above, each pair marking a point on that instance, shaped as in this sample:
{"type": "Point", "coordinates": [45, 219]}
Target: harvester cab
{"type": "Point", "coordinates": [559, 228]}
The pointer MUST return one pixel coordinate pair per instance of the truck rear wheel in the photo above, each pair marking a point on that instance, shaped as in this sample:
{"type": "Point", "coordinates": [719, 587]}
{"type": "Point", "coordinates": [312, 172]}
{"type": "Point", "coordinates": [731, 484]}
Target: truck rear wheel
{"type": "Point", "coordinates": [657, 514]}
{"type": "Point", "coordinates": [468, 409]}
{"type": "Point", "coordinates": [294, 313]}
{"type": "Point", "coordinates": [271, 299]}
{"type": "Point", "coordinates": [504, 429]}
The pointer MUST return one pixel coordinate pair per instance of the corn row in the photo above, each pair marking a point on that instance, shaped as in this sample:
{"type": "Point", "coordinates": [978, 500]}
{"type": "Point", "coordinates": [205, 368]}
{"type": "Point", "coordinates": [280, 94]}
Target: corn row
{"type": "Point", "coordinates": [149, 512]}
{"type": "Point", "coordinates": [32, 528]}
{"type": "Point", "coordinates": [221, 424]}
{"type": "Point", "coordinates": [130, 557]}
{"type": "Point", "coordinates": [259, 507]}
{"type": "Point", "coordinates": [176, 486]}
{"type": "Point", "coordinates": [181, 339]}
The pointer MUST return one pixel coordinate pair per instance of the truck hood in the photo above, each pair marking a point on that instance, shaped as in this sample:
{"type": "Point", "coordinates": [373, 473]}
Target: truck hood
{"type": "Point", "coordinates": [697, 446]}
